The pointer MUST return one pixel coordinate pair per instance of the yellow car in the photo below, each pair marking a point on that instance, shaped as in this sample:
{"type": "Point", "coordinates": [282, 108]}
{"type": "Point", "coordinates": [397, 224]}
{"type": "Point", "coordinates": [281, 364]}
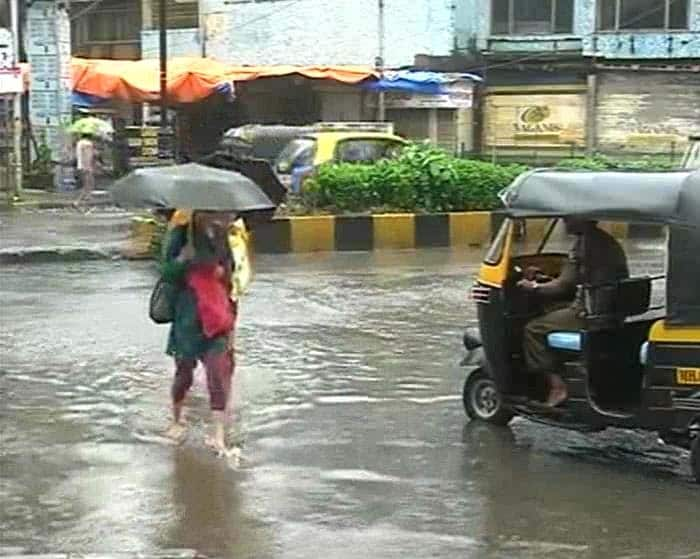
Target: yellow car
{"type": "Point", "coordinates": [303, 155]}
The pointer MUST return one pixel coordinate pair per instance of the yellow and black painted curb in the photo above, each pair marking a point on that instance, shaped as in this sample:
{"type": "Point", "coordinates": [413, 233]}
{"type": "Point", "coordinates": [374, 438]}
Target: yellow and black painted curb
{"type": "Point", "coordinates": [375, 232]}
{"type": "Point", "coordinates": [382, 232]}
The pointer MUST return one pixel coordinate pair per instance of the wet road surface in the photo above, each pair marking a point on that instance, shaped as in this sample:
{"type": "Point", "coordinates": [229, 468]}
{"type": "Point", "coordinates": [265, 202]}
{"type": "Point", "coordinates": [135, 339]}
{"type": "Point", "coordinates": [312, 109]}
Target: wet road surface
{"type": "Point", "coordinates": [349, 417]}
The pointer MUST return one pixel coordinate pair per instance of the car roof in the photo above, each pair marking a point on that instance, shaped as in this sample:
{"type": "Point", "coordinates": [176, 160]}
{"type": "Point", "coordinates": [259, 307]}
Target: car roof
{"type": "Point", "coordinates": [339, 136]}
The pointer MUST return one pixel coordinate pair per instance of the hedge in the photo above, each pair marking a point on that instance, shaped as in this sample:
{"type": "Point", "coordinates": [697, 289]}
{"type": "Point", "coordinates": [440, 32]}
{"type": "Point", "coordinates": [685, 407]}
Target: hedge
{"type": "Point", "coordinates": [425, 179]}
{"type": "Point", "coordinates": [421, 179]}
{"type": "Point", "coordinates": [605, 163]}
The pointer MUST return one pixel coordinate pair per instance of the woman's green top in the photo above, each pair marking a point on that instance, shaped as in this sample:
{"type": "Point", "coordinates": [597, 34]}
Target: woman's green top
{"type": "Point", "coordinates": [186, 339]}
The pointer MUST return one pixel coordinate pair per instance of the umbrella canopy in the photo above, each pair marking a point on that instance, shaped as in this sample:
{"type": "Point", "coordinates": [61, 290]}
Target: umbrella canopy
{"type": "Point", "coordinates": [191, 186]}
{"type": "Point", "coordinates": [92, 126]}
{"type": "Point", "coordinates": [257, 170]}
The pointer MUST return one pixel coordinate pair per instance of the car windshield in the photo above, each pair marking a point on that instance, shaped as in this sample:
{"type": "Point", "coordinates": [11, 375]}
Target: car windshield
{"type": "Point", "coordinates": [298, 153]}
{"type": "Point", "coordinates": [366, 150]}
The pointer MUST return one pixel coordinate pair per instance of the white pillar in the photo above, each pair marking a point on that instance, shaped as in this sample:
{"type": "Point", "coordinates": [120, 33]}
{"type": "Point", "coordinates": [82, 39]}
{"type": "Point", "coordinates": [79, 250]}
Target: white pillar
{"type": "Point", "coordinates": [433, 126]}
{"type": "Point", "coordinates": [17, 104]}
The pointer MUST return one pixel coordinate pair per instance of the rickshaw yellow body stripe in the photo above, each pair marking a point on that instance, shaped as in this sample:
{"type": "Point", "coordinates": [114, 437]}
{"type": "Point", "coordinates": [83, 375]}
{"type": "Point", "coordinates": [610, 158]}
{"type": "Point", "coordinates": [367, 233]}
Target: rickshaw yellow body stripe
{"type": "Point", "coordinates": [495, 275]}
{"type": "Point", "coordinates": [662, 333]}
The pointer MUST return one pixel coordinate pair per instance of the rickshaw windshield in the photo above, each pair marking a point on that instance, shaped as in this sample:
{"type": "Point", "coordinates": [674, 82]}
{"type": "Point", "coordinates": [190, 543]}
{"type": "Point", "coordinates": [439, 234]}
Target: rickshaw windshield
{"type": "Point", "coordinates": [529, 237]}
{"type": "Point", "coordinates": [495, 253]}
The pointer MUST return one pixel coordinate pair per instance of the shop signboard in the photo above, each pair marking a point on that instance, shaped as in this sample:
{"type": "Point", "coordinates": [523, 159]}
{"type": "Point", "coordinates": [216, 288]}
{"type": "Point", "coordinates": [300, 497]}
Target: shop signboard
{"type": "Point", "coordinates": [11, 81]}
{"type": "Point", "coordinates": [653, 112]}
{"type": "Point", "coordinates": [535, 120]}
{"type": "Point", "coordinates": [10, 74]}
{"type": "Point", "coordinates": [48, 49]}
{"type": "Point", "coordinates": [7, 50]}
{"type": "Point", "coordinates": [457, 95]}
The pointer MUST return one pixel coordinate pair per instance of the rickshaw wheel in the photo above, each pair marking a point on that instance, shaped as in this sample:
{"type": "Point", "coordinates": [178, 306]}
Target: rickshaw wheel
{"type": "Point", "coordinates": [482, 400]}
{"type": "Point", "coordinates": [695, 457]}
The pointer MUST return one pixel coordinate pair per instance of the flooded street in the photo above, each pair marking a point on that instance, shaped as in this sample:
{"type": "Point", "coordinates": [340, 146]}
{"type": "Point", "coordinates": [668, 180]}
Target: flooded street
{"type": "Point", "coordinates": [349, 415]}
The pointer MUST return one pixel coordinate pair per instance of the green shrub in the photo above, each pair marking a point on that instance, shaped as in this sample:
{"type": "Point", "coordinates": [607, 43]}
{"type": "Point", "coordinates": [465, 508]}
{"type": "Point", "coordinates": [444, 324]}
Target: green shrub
{"type": "Point", "coordinates": [606, 163]}
{"type": "Point", "coordinates": [39, 173]}
{"type": "Point", "coordinates": [421, 179]}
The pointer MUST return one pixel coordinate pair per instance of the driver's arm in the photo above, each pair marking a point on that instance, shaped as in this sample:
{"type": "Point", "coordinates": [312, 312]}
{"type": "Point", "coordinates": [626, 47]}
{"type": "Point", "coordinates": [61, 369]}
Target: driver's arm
{"type": "Point", "coordinates": [562, 287]}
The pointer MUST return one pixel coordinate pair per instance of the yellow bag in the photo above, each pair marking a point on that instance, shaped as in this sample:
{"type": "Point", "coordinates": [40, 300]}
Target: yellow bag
{"type": "Point", "coordinates": [239, 240]}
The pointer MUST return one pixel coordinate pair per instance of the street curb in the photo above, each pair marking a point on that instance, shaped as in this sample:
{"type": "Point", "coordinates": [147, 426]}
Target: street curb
{"type": "Point", "coordinates": [40, 200]}
{"type": "Point", "coordinates": [175, 554]}
{"type": "Point", "coordinates": [44, 205]}
{"type": "Point", "coordinates": [308, 234]}
{"type": "Point", "coordinates": [41, 255]}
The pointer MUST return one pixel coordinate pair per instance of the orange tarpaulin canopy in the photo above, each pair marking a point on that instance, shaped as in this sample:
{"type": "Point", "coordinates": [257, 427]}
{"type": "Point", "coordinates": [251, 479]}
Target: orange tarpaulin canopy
{"type": "Point", "coordinates": [189, 79]}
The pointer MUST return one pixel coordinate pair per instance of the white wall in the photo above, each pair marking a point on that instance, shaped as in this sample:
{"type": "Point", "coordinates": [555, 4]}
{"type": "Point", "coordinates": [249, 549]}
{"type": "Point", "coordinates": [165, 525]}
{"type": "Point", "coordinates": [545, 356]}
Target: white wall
{"type": "Point", "coordinates": [322, 32]}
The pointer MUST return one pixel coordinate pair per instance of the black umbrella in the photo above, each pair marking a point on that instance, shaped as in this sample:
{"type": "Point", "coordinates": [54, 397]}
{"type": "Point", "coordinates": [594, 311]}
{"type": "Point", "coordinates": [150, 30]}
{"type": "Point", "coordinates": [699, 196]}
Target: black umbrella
{"type": "Point", "coordinates": [191, 186]}
{"type": "Point", "coordinates": [257, 170]}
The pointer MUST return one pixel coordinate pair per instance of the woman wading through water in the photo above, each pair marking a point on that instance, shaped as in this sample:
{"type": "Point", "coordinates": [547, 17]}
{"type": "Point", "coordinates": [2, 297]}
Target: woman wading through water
{"type": "Point", "coordinates": [198, 262]}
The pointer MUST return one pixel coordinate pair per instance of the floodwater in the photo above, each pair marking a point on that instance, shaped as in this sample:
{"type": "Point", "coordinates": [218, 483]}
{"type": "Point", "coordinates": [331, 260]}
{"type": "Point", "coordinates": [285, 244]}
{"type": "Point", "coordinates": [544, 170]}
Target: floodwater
{"type": "Point", "coordinates": [348, 414]}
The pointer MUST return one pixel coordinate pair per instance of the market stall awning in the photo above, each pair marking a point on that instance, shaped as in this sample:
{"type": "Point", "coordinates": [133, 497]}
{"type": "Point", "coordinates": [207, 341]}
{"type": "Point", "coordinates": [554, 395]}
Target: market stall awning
{"type": "Point", "coordinates": [189, 79]}
{"type": "Point", "coordinates": [418, 81]}
{"type": "Point", "coordinates": [343, 74]}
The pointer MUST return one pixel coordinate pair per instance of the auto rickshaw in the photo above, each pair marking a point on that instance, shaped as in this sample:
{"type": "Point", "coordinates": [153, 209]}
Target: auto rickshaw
{"type": "Point", "coordinates": [636, 362]}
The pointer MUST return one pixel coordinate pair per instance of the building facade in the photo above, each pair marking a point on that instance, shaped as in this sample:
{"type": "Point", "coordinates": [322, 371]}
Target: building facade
{"type": "Point", "coordinates": [601, 75]}
{"type": "Point", "coordinates": [309, 32]}
{"type": "Point", "coordinates": [321, 33]}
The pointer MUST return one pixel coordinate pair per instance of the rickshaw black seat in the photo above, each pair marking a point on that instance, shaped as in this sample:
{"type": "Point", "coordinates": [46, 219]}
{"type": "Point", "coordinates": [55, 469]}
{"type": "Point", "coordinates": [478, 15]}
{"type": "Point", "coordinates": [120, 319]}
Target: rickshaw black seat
{"type": "Point", "coordinates": [617, 301]}
{"type": "Point", "coordinates": [608, 306]}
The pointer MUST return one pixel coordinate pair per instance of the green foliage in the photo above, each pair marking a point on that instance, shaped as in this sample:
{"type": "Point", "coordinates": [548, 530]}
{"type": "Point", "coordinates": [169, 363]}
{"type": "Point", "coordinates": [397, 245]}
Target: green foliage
{"type": "Point", "coordinates": [605, 163]}
{"type": "Point", "coordinates": [421, 179]}
{"type": "Point", "coordinates": [39, 174]}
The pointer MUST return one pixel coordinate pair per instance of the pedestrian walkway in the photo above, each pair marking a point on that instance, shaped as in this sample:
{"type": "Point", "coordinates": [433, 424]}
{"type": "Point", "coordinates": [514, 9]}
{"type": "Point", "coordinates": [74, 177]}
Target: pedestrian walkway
{"type": "Point", "coordinates": [42, 199]}
{"type": "Point", "coordinates": [39, 235]}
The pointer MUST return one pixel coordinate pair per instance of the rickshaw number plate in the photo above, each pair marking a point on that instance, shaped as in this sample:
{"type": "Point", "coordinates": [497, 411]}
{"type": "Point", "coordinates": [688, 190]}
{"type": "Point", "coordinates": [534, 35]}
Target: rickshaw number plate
{"type": "Point", "coordinates": [688, 376]}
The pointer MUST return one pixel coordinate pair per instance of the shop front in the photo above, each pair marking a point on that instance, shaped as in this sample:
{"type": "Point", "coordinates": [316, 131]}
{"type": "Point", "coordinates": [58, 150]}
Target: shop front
{"type": "Point", "coordinates": [534, 121]}
{"type": "Point", "coordinates": [445, 118]}
{"type": "Point", "coordinates": [641, 112]}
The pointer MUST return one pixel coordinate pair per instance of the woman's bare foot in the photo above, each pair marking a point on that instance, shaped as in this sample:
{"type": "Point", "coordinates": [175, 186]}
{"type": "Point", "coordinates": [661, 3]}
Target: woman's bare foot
{"type": "Point", "coordinates": [176, 432]}
{"type": "Point", "coordinates": [558, 392]}
{"type": "Point", "coordinates": [216, 444]}
{"type": "Point", "coordinates": [217, 439]}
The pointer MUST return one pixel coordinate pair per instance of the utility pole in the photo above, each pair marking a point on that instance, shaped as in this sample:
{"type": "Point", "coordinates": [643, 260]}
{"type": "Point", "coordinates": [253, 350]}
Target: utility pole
{"type": "Point", "coordinates": [164, 147]}
{"type": "Point", "coordinates": [16, 103]}
{"type": "Point", "coordinates": [380, 60]}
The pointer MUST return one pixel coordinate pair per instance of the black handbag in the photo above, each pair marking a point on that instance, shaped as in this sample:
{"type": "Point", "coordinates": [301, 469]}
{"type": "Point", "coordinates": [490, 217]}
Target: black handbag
{"type": "Point", "coordinates": [162, 302]}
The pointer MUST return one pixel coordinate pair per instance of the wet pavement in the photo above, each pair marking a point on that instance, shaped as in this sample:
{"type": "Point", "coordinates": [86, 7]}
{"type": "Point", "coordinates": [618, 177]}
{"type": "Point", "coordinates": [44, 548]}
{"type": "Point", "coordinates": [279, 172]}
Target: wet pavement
{"type": "Point", "coordinates": [57, 235]}
{"type": "Point", "coordinates": [348, 414]}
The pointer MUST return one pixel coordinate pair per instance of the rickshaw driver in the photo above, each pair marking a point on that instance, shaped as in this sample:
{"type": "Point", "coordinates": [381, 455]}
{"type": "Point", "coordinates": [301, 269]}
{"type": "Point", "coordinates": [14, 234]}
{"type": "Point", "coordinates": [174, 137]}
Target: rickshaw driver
{"type": "Point", "coordinates": [595, 258]}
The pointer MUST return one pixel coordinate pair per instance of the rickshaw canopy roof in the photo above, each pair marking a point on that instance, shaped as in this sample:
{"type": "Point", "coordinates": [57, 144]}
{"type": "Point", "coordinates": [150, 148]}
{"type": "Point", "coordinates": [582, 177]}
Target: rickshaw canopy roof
{"type": "Point", "coordinates": [668, 198]}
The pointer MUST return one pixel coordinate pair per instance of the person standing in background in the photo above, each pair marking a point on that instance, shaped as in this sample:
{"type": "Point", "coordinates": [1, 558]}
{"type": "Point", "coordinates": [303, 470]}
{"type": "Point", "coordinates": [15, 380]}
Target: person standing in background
{"type": "Point", "coordinates": [85, 162]}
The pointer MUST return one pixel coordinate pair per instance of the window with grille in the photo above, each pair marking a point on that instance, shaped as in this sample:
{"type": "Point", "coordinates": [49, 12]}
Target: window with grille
{"type": "Point", "coordinates": [531, 17]}
{"type": "Point", "coordinates": [621, 15]}
{"type": "Point", "coordinates": [180, 14]}
{"type": "Point", "coordinates": [115, 21]}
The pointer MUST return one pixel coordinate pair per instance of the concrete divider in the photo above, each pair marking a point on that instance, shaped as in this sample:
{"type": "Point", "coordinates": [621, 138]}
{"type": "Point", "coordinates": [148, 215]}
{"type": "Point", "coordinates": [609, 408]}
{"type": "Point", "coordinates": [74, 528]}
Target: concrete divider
{"type": "Point", "coordinates": [380, 232]}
